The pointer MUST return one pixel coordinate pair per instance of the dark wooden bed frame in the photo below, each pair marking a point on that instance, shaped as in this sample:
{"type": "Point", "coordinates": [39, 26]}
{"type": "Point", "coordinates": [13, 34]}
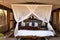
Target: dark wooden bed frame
{"type": "Point", "coordinates": [27, 27]}
{"type": "Point", "coordinates": [33, 37]}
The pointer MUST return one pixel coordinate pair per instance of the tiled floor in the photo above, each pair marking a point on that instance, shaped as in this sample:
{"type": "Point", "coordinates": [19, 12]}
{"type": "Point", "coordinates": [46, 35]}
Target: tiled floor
{"type": "Point", "coordinates": [54, 38]}
{"type": "Point", "coordinates": [8, 39]}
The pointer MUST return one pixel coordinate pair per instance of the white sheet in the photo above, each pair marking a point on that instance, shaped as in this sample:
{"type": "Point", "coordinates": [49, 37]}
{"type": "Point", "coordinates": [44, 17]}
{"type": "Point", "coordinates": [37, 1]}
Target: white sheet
{"type": "Point", "coordinates": [34, 33]}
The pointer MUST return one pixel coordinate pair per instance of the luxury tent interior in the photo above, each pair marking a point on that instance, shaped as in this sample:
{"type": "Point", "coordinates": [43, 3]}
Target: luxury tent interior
{"type": "Point", "coordinates": [30, 20]}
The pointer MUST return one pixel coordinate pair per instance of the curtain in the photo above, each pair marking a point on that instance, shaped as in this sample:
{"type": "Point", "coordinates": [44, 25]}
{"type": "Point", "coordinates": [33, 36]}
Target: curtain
{"type": "Point", "coordinates": [23, 11]}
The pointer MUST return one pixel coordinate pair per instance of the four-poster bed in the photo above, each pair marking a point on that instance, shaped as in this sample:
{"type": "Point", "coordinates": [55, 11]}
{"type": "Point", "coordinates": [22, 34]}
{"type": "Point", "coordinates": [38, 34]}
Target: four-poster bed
{"type": "Point", "coordinates": [41, 12]}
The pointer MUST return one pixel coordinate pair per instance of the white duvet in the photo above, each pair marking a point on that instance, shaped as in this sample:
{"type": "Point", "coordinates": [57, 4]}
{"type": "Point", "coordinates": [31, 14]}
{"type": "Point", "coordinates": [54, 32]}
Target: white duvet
{"type": "Point", "coordinates": [34, 33]}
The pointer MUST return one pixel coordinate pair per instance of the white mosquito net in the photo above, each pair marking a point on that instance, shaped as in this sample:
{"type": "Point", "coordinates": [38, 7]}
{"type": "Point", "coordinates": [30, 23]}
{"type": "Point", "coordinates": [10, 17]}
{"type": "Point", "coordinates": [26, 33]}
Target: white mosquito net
{"type": "Point", "coordinates": [23, 11]}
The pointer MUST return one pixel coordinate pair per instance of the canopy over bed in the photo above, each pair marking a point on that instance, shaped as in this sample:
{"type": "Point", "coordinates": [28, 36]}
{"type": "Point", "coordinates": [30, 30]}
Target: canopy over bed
{"type": "Point", "coordinates": [23, 11]}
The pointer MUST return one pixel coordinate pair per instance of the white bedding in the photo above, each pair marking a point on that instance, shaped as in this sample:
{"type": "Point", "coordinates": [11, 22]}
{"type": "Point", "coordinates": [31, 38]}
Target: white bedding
{"type": "Point", "coordinates": [34, 33]}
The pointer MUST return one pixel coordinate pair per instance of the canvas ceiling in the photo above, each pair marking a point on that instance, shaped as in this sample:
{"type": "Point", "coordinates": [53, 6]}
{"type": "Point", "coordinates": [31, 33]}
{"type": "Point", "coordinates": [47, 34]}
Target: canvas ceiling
{"type": "Point", "coordinates": [55, 3]}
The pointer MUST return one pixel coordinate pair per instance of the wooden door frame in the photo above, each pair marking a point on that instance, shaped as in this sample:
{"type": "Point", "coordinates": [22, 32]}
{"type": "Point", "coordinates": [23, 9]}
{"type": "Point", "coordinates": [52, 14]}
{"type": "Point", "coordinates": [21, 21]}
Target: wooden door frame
{"type": "Point", "coordinates": [57, 19]}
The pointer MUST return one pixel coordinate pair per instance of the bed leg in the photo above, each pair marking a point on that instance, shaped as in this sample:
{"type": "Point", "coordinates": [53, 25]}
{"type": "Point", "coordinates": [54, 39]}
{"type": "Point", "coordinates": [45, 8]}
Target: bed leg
{"type": "Point", "coordinates": [46, 38]}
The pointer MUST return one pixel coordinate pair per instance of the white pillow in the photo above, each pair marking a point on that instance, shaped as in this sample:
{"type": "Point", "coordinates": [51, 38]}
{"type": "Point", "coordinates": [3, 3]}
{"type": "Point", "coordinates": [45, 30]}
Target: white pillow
{"type": "Point", "coordinates": [30, 23]}
{"type": "Point", "coordinates": [22, 23]}
{"type": "Point", "coordinates": [35, 24]}
{"type": "Point", "coordinates": [43, 23]}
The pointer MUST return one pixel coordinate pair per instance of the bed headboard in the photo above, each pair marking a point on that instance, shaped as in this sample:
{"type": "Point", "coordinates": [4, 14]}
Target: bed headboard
{"type": "Point", "coordinates": [32, 25]}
